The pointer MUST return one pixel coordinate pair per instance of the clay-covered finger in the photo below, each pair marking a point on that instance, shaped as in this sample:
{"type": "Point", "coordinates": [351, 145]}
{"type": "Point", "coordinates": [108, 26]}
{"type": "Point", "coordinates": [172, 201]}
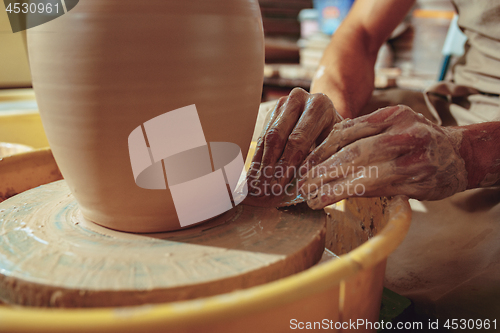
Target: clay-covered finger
{"type": "Point", "coordinates": [259, 150]}
{"type": "Point", "coordinates": [409, 174]}
{"type": "Point", "coordinates": [318, 115]}
{"type": "Point", "coordinates": [276, 136]}
{"type": "Point", "coordinates": [382, 120]}
{"type": "Point", "coordinates": [374, 182]}
{"type": "Point", "coordinates": [271, 116]}
{"type": "Point", "coordinates": [364, 153]}
{"type": "Point", "coordinates": [343, 134]}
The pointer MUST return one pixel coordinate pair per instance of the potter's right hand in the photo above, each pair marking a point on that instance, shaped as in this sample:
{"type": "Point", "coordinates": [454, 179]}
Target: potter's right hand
{"type": "Point", "coordinates": [297, 123]}
{"type": "Point", "coordinates": [392, 151]}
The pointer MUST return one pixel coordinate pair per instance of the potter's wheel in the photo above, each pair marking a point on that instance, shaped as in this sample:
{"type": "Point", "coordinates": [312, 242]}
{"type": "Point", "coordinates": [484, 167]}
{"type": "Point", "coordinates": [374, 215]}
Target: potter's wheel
{"type": "Point", "coordinates": [51, 256]}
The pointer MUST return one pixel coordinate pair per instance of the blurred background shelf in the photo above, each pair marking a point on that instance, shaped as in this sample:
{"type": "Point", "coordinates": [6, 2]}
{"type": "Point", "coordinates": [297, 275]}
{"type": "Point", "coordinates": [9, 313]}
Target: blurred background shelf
{"type": "Point", "coordinates": [411, 58]}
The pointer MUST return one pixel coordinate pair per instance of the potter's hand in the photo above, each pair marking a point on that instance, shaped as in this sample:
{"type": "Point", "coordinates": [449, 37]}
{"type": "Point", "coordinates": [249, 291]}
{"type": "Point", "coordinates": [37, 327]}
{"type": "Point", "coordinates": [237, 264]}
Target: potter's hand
{"type": "Point", "coordinates": [294, 126]}
{"type": "Point", "coordinates": [391, 151]}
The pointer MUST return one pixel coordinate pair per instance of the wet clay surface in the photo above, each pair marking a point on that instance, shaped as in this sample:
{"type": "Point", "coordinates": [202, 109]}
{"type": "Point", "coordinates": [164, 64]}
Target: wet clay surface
{"type": "Point", "coordinates": [97, 76]}
{"type": "Point", "coordinates": [289, 196]}
{"type": "Point", "coordinates": [52, 256]}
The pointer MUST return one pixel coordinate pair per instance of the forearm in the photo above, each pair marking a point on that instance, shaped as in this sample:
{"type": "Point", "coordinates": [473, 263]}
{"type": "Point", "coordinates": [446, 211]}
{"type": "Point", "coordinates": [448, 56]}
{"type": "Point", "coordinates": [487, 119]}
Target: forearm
{"type": "Point", "coordinates": [480, 150]}
{"type": "Point", "coordinates": [346, 72]}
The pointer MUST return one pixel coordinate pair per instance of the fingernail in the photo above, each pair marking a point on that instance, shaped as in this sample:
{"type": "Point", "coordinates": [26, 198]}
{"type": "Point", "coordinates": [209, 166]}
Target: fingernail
{"type": "Point", "coordinates": [324, 198]}
{"type": "Point", "coordinates": [312, 203]}
{"type": "Point", "coordinates": [313, 195]}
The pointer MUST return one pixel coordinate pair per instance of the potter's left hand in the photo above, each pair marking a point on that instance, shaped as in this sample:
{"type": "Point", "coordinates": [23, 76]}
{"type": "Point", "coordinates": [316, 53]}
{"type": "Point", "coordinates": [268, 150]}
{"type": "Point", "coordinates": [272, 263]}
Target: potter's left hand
{"type": "Point", "coordinates": [389, 152]}
{"type": "Point", "coordinates": [296, 123]}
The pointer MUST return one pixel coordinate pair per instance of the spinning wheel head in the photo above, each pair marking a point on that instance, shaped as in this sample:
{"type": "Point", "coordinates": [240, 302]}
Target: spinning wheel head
{"type": "Point", "coordinates": [52, 256]}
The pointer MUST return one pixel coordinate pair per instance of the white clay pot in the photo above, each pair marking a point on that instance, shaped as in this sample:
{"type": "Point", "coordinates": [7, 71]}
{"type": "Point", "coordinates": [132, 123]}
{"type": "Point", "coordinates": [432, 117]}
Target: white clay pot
{"type": "Point", "coordinates": [106, 67]}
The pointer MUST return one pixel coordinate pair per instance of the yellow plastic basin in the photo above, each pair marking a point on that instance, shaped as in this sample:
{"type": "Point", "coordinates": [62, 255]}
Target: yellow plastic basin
{"type": "Point", "coordinates": [330, 293]}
